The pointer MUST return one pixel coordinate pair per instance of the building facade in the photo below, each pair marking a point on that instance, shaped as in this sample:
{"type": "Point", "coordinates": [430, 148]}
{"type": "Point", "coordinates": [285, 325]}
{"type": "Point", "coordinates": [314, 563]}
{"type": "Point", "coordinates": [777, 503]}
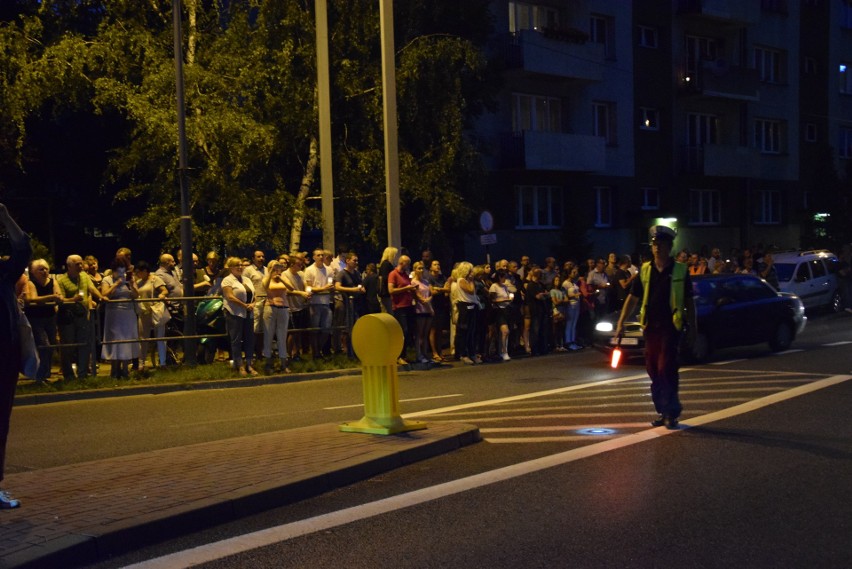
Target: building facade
{"type": "Point", "coordinates": [722, 117]}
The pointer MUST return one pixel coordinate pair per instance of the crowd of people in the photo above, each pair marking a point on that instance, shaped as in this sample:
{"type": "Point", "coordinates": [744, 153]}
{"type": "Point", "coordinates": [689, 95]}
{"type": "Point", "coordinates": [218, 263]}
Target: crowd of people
{"type": "Point", "coordinates": [298, 304]}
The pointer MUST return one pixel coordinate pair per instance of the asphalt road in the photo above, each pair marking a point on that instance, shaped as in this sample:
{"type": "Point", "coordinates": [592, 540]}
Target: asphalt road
{"type": "Point", "coordinates": [585, 483]}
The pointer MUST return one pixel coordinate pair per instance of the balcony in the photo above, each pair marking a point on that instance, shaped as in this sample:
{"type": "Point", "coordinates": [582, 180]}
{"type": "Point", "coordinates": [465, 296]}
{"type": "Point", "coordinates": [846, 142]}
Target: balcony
{"type": "Point", "coordinates": [555, 151]}
{"type": "Point", "coordinates": [558, 53]}
{"type": "Point", "coordinates": [718, 79]}
{"type": "Point", "coordinates": [724, 160]}
{"type": "Point", "coordinates": [723, 11]}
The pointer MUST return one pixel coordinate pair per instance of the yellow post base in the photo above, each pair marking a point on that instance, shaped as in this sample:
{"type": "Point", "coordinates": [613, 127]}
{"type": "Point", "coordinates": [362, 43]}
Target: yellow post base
{"type": "Point", "coordinates": [368, 425]}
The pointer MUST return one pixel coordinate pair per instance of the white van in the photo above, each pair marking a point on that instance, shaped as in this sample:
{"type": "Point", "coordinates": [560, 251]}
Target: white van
{"type": "Point", "coordinates": [812, 276]}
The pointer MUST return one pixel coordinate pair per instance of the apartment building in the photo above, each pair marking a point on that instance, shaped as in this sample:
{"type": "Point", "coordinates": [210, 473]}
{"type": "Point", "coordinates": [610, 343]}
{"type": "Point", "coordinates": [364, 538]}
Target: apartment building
{"type": "Point", "coordinates": [718, 116]}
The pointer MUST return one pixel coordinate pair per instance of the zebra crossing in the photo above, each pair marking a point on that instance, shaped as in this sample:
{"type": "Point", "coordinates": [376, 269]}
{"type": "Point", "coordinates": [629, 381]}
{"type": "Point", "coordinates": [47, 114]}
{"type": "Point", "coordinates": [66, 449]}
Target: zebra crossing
{"type": "Point", "coordinates": [592, 412]}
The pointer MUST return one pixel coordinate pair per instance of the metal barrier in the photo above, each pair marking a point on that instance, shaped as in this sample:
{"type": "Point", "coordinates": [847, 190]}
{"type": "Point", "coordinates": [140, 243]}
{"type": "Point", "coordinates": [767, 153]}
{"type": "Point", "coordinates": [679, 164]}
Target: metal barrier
{"type": "Point", "coordinates": [173, 333]}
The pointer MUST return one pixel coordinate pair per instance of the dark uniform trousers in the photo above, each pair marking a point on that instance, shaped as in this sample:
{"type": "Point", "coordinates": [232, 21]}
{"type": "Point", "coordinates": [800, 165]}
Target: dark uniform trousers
{"type": "Point", "coordinates": [661, 363]}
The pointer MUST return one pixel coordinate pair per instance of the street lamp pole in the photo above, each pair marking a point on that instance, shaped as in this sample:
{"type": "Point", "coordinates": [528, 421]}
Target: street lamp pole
{"type": "Point", "coordinates": [324, 104]}
{"type": "Point", "coordinates": [390, 124]}
{"type": "Point", "coordinates": [185, 217]}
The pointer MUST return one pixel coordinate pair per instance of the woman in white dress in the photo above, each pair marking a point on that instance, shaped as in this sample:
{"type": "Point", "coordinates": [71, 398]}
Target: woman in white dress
{"type": "Point", "coordinates": [120, 320]}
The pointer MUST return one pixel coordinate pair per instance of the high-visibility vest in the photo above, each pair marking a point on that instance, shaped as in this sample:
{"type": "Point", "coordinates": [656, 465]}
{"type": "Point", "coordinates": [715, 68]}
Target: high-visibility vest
{"type": "Point", "coordinates": [676, 297]}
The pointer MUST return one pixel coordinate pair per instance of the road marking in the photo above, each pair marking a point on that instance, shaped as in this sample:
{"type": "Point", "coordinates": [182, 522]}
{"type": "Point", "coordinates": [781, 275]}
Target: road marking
{"type": "Point", "coordinates": [785, 352]}
{"type": "Point", "coordinates": [522, 397]}
{"type": "Point", "coordinates": [401, 401]}
{"type": "Point", "coordinates": [726, 362]}
{"type": "Point", "coordinates": [273, 535]}
{"type": "Point", "coordinates": [833, 344]}
{"type": "Point", "coordinates": [563, 439]}
{"type": "Point", "coordinates": [566, 428]}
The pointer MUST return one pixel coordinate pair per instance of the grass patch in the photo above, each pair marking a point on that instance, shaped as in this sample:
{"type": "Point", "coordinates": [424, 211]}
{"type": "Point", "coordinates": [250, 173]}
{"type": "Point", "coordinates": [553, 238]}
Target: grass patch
{"type": "Point", "coordinates": [179, 374]}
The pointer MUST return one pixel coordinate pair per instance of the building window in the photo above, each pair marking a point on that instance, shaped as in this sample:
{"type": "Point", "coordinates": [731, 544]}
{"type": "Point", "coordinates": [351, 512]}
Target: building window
{"type": "Point", "coordinates": [649, 119]}
{"type": "Point", "coordinates": [768, 207]}
{"type": "Point", "coordinates": [603, 207]}
{"type": "Point", "coordinates": [648, 37]}
{"type": "Point", "coordinates": [767, 136]}
{"type": "Point", "coordinates": [603, 121]}
{"type": "Point", "coordinates": [844, 145]}
{"type": "Point", "coordinates": [526, 16]}
{"type": "Point", "coordinates": [845, 78]}
{"type": "Point", "coordinates": [531, 112]}
{"type": "Point", "coordinates": [602, 31]}
{"type": "Point", "coordinates": [810, 66]}
{"type": "Point", "coordinates": [768, 63]}
{"type": "Point", "coordinates": [650, 198]}
{"type": "Point", "coordinates": [698, 50]}
{"type": "Point", "coordinates": [539, 207]}
{"type": "Point", "coordinates": [810, 132]}
{"type": "Point", "coordinates": [704, 207]}
{"type": "Point", "coordinates": [846, 14]}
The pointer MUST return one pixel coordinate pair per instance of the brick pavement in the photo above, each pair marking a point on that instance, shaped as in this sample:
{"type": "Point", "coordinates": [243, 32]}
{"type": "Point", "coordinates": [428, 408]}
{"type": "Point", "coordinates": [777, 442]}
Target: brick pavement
{"type": "Point", "coordinates": [80, 513]}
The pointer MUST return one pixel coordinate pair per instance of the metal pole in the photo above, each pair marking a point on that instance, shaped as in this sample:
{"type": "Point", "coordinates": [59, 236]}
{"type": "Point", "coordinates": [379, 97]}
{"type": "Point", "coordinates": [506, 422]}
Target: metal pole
{"type": "Point", "coordinates": [390, 124]}
{"type": "Point", "coordinates": [324, 103]}
{"type": "Point", "coordinates": [185, 218]}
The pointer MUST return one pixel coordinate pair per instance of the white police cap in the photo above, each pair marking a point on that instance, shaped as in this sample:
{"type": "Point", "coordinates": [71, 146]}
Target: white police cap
{"type": "Point", "coordinates": [660, 232]}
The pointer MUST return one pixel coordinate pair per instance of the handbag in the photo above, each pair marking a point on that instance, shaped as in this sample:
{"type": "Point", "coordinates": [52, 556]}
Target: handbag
{"type": "Point", "coordinates": [159, 313]}
{"type": "Point", "coordinates": [29, 352]}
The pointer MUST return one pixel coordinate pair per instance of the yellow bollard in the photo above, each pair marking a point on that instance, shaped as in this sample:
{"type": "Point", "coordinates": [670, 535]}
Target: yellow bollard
{"type": "Point", "coordinates": [377, 340]}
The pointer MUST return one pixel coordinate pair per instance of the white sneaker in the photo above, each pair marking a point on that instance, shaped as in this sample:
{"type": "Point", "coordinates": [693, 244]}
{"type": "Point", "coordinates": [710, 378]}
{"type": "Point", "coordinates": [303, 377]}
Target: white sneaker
{"type": "Point", "coordinates": [505, 357]}
{"type": "Point", "coordinates": [7, 502]}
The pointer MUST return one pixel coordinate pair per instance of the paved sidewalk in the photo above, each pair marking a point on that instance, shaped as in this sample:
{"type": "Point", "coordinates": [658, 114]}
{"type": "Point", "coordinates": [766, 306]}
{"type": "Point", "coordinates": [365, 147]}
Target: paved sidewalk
{"type": "Point", "coordinates": [81, 513]}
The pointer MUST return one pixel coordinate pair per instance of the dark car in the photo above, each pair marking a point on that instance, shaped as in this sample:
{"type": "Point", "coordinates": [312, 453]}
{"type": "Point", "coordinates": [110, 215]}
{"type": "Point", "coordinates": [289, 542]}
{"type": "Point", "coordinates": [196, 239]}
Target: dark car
{"type": "Point", "coordinates": [732, 309]}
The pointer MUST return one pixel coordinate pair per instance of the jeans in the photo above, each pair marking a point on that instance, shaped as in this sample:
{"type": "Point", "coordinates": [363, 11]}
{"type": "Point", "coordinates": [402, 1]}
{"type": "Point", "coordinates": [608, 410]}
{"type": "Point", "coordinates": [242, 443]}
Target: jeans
{"type": "Point", "coordinates": [241, 335]}
{"type": "Point", "coordinates": [44, 333]}
{"type": "Point", "coordinates": [321, 319]}
{"type": "Point", "coordinates": [76, 330]}
{"type": "Point", "coordinates": [276, 320]}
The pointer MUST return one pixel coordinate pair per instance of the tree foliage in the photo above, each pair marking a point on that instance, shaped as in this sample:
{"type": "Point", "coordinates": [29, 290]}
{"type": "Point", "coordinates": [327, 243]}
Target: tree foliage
{"type": "Point", "coordinates": [250, 76]}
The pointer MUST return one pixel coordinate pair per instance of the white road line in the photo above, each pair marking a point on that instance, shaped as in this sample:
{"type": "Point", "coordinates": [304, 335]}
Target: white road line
{"type": "Point", "coordinates": [565, 439]}
{"type": "Point", "coordinates": [401, 401]}
{"type": "Point", "coordinates": [726, 362]}
{"type": "Point", "coordinates": [785, 352]}
{"type": "Point", "coordinates": [834, 344]}
{"type": "Point", "coordinates": [270, 536]}
{"type": "Point", "coordinates": [523, 396]}
{"type": "Point", "coordinates": [566, 428]}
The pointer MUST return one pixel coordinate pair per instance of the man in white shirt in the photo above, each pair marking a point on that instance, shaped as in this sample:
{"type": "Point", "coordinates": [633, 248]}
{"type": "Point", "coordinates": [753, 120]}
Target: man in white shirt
{"type": "Point", "coordinates": [319, 281]}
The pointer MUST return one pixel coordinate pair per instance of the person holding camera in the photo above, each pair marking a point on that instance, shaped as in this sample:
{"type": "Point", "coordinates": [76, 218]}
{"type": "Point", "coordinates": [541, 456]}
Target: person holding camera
{"type": "Point", "coordinates": [120, 319]}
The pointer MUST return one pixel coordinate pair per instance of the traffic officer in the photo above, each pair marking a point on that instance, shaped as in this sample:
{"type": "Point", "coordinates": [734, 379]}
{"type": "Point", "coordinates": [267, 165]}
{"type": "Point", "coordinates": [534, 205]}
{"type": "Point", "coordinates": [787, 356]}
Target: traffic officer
{"type": "Point", "coordinates": [664, 291]}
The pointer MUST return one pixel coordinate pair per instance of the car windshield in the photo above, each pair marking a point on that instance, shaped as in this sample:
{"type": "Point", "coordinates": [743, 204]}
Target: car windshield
{"type": "Point", "coordinates": [785, 271]}
{"type": "Point", "coordinates": [704, 292]}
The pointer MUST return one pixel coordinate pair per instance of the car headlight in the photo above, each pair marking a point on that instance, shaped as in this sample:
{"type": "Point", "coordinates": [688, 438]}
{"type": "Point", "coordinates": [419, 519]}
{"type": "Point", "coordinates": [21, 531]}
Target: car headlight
{"type": "Point", "coordinates": [604, 327]}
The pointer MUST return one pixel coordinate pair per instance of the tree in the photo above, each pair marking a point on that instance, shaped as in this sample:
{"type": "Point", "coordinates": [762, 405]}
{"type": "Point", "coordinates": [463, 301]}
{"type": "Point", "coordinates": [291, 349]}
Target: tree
{"type": "Point", "coordinates": [250, 71]}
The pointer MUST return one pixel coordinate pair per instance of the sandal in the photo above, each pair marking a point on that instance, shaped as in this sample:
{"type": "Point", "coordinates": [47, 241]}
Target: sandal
{"type": "Point", "coordinates": [437, 359]}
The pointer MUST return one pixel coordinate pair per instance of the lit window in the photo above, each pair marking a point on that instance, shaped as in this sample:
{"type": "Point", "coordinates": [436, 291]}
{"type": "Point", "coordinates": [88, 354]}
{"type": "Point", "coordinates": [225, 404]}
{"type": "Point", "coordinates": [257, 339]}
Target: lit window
{"type": "Point", "coordinates": [526, 16]}
{"type": "Point", "coordinates": [649, 119]}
